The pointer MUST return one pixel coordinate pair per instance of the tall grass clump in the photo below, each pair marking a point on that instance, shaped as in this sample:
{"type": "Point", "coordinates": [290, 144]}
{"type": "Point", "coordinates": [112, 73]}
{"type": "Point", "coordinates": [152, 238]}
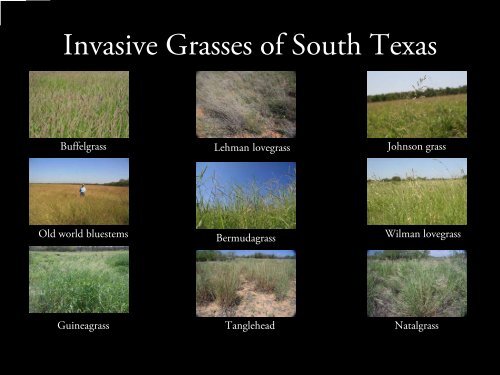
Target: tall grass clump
{"type": "Point", "coordinates": [271, 276]}
{"type": "Point", "coordinates": [83, 282]}
{"type": "Point", "coordinates": [219, 282]}
{"type": "Point", "coordinates": [418, 202]}
{"type": "Point", "coordinates": [268, 206]}
{"type": "Point", "coordinates": [417, 288]}
{"type": "Point", "coordinates": [79, 104]}
{"type": "Point", "coordinates": [234, 283]}
{"type": "Point", "coordinates": [245, 104]}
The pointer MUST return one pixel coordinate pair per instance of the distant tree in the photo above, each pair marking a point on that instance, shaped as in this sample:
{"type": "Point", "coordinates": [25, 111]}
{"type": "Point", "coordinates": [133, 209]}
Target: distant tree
{"type": "Point", "coordinates": [122, 182]}
{"type": "Point", "coordinates": [209, 256]}
{"type": "Point", "coordinates": [396, 178]}
{"type": "Point", "coordinates": [402, 254]}
{"type": "Point", "coordinates": [392, 254]}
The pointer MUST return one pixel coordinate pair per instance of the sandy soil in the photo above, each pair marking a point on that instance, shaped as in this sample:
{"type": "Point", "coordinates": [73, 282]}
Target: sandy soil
{"type": "Point", "coordinates": [253, 304]}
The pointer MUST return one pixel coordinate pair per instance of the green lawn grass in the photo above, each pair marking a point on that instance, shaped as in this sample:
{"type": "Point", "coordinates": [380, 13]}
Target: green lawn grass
{"type": "Point", "coordinates": [436, 117]}
{"type": "Point", "coordinates": [79, 104]}
{"type": "Point", "coordinates": [417, 288]}
{"type": "Point", "coordinates": [79, 282]}
{"type": "Point", "coordinates": [419, 202]}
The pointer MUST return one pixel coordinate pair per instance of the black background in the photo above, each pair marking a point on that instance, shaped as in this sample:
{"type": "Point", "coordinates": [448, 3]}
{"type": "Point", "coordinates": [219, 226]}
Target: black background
{"type": "Point", "coordinates": [331, 148]}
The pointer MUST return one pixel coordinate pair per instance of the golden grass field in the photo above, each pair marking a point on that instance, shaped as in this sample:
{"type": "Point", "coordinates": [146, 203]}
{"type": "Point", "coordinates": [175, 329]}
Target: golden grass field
{"type": "Point", "coordinates": [61, 204]}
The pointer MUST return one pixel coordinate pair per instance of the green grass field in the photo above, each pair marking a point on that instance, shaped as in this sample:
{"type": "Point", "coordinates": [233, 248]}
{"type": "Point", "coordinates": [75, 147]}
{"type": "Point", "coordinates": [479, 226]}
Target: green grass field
{"type": "Point", "coordinates": [419, 202]}
{"type": "Point", "coordinates": [436, 117]}
{"type": "Point", "coordinates": [79, 282]}
{"type": "Point", "coordinates": [417, 288]}
{"type": "Point", "coordinates": [246, 207]}
{"type": "Point", "coordinates": [79, 104]}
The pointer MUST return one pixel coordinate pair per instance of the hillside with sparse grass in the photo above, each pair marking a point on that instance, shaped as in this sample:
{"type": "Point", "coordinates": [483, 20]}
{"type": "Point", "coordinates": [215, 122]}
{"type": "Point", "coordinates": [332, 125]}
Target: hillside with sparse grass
{"type": "Point", "coordinates": [245, 104]}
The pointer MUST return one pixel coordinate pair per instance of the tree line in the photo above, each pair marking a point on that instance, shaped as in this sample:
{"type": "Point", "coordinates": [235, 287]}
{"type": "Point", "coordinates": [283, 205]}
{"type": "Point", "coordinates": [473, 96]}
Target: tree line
{"type": "Point", "coordinates": [413, 254]}
{"type": "Point", "coordinates": [216, 255]}
{"type": "Point", "coordinates": [77, 248]}
{"type": "Point", "coordinates": [397, 179]}
{"type": "Point", "coordinates": [122, 182]}
{"type": "Point", "coordinates": [428, 93]}
{"type": "Point", "coordinates": [401, 254]}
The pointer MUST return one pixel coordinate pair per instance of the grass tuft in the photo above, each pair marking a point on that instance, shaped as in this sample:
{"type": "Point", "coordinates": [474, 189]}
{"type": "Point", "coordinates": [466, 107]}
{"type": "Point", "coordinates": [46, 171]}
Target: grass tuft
{"type": "Point", "coordinates": [220, 281]}
{"type": "Point", "coordinates": [417, 288]}
{"type": "Point", "coordinates": [244, 104]}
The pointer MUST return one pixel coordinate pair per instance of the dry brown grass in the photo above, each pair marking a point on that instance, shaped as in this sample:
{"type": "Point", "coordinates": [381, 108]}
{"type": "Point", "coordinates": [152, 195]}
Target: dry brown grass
{"type": "Point", "coordinates": [61, 204]}
{"type": "Point", "coordinates": [245, 104]}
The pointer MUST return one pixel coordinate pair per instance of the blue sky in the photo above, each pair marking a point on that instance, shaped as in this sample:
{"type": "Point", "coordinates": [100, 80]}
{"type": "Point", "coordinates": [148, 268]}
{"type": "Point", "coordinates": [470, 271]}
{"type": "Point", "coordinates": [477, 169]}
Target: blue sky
{"type": "Point", "coordinates": [77, 170]}
{"type": "Point", "coordinates": [434, 253]}
{"type": "Point", "coordinates": [243, 174]}
{"type": "Point", "coordinates": [378, 168]}
{"type": "Point", "coordinates": [399, 81]}
{"type": "Point", "coordinates": [279, 253]}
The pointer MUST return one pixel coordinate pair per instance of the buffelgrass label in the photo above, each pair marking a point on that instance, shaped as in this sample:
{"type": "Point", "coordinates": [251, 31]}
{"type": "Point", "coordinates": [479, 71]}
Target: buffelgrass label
{"type": "Point", "coordinates": [245, 327]}
{"type": "Point", "coordinates": [81, 146]}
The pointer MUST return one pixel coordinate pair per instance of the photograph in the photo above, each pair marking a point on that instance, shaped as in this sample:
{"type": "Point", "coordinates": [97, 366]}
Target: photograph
{"type": "Point", "coordinates": [77, 191]}
{"type": "Point", "coordinates": [78, 279]}
{"type": "Point", "coordinates": [245, 283]}
{"type": "Point", "coordinates": [65, 104]}
{"type": "Point", "coordinates": [417, 283]}
{"type": "Point", "coordinates": [245, 104]}
{"type": "Point", "coordinates": [245, 195]}
{"type": "Point", "coordinates": [417, 104]}
{"type": "Point", "coordinates": [417, 191]}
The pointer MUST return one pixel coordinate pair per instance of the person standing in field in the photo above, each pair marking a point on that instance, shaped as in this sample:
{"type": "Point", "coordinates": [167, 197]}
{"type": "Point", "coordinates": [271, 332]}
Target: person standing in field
{"type": "Point", "coordinates": [83, 189]}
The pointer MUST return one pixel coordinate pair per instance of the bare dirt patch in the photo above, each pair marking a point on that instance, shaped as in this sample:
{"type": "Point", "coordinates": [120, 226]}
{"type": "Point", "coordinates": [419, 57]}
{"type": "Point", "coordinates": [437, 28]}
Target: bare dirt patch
{"type": "Point", "coordinates": [253, 303]}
